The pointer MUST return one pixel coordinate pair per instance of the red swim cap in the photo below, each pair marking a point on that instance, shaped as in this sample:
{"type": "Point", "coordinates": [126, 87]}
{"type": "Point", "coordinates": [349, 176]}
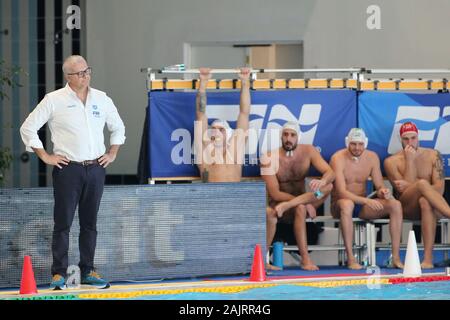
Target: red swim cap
{"type": "Point", "coordinates": [408, 127]}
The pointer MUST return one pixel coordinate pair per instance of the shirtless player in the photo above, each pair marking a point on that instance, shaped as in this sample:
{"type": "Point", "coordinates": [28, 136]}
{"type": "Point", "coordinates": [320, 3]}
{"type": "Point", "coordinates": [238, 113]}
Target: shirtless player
{"type": "Point", "coordinates": [353, 166]}
{"type": "Point", "coordinates": [284, 170]}
{"type": "Point", "coordinates": [222, 149]}
{"type": "Point", "coordinates": [417, 176]}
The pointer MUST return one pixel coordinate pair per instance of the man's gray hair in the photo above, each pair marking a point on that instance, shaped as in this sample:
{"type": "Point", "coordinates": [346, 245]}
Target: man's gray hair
{"type": "Point", "coordinates": [71, 60]}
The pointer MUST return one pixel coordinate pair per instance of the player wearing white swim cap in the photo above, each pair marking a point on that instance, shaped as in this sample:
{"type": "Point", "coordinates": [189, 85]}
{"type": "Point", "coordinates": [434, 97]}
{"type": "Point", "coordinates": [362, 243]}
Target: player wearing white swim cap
{"type": "Point", "coordinates": [290, 135]}
{"type": "Point", "coordinates": [220, 150]}
{"type": "Point", "coordinates": [353, 166]}
{"type": "Point", "coordinates": [356, 142]}
{"type": "Point", "coordinates": [291, 198]}
{"type": "Point", "coordinates": [221, 133]}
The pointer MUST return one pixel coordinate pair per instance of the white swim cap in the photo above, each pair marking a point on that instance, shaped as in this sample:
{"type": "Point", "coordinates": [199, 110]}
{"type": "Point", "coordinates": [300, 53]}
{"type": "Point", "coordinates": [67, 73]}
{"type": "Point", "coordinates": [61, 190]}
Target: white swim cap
{"type": "Point", "coordinates": [292, 126]}
{"type": "Point", "coordinates": [356, 135]}
{"type": "Point", "coordinates": [223, 124]}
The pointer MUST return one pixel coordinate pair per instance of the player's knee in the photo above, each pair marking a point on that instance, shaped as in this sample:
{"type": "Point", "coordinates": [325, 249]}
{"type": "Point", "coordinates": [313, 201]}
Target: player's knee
{"type": "Point", "coordinates": [396, 211]}
{"type": "Point", "coordinates": [271, 214]}
{"type": "Point", "coordinates": [346, 207]}
{"type": "Point", "coordinates": [424, 204]}
{"type": "Point", "coordinates": [300, 211]}
{"type": "Point", "coordinates": [394, 206]}
{"type": "Point", "coordinates": [422, 183]}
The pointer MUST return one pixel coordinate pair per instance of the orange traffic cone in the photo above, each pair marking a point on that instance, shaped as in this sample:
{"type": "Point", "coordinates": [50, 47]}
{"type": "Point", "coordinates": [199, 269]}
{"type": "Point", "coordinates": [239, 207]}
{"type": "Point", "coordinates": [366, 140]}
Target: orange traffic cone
{"type": "Point", "coordinates": [258, 271]}
{"type": "Point", "coordinates": [27, 284]}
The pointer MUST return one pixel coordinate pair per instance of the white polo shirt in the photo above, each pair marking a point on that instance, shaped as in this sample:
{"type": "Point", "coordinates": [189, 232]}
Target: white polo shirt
{"type": "Point", "coordinates": [76, 129]}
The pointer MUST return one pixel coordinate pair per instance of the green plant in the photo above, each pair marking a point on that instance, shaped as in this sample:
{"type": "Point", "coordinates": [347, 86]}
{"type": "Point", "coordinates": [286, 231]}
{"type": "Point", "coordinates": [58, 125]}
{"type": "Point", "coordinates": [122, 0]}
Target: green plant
{"type": "Point", "coordinates": [5, 163]}
{"type": "Point", "coordinates": [8, 78]}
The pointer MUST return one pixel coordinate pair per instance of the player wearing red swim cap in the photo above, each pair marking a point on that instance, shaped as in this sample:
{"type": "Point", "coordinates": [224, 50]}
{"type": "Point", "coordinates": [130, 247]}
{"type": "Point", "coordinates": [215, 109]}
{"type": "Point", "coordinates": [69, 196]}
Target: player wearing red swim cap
{"type": "Point", "coordinates": [408, 127]}
{"type": "Point", "coordinates": [417, 175]}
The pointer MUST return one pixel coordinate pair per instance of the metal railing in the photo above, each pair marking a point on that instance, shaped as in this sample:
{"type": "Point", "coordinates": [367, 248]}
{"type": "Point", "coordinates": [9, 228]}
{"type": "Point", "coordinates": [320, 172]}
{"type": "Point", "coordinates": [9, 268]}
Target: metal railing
{"type": "Point", "coordinates": [356, 79]}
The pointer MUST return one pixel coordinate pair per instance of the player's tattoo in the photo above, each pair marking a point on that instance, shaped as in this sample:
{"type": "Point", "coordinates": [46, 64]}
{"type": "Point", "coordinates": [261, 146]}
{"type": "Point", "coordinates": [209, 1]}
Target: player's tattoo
{"type": "Point", "coordinates": [439, 166]}
{"type": "Point", "coordinates": [202, 100]}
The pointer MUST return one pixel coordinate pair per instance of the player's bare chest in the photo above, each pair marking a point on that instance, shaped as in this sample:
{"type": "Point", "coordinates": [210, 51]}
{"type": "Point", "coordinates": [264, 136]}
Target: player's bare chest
{"type": "Point", "coordinates": [355, 171]}
{"type": "Point", "coordinates": [422, 166]}
{"type": "Point", "coordinates": [292, 169]}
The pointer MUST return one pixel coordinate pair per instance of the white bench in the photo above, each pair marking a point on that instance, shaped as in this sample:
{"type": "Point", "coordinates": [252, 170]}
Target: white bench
{"type": "Point", "coordinates": [362, 243]}
{"type": "Point", "coordinates": [445, 240]}
{"type": "Point", "coordinates": [364, 240]}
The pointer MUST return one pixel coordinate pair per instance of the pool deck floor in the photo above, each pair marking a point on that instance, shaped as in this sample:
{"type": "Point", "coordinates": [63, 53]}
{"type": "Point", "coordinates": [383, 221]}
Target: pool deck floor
{"type": "Point", "coordinates": [287, 276]}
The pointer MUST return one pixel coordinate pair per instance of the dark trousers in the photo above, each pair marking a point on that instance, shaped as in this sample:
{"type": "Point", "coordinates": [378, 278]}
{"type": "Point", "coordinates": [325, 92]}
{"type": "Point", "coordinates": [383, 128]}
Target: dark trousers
{"type": "Point", "coordinates": [74, 185]}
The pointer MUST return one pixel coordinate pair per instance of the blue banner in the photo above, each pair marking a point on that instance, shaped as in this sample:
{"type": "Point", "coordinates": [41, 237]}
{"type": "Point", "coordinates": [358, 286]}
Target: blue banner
{"type": "Point", "coordinates": [324, 116]}
{"type": "Point", "coordinates": [381, 114]}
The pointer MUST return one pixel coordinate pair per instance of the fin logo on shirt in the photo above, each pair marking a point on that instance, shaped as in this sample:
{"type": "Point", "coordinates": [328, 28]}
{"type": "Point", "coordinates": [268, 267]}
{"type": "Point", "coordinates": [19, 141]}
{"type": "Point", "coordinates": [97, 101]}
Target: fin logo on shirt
{"type": "Point", "coordinates": [95, 113]}
{"type": "Point", "coordinates": [72, 106]}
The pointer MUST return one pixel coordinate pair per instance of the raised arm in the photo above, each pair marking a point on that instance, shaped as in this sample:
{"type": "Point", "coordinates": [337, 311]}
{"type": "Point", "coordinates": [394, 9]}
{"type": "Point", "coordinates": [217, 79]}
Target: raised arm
{"type": "Point", "coordinates": [244, 106]}
{"type": "Point", "coordinates": [201, 121]}
{"type": "Point", "coordinates": [200, 102]}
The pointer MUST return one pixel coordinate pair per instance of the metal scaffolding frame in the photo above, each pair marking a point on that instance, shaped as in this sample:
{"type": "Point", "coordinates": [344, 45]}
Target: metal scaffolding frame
{"type": "Point", "coordinates": [357, 79]}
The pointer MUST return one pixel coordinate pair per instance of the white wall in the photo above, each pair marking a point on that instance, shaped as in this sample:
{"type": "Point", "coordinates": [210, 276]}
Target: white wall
{"type": "Point", "coordinates": [208, 56]}
{"type": "Point", "coordinates": [412, 35]}
{"type": "Point", "coordinates": [123, 36]}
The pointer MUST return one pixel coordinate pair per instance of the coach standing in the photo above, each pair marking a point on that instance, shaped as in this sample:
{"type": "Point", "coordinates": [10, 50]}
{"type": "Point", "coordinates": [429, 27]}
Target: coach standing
{"type": "Point", "coordinates": [76, 116]}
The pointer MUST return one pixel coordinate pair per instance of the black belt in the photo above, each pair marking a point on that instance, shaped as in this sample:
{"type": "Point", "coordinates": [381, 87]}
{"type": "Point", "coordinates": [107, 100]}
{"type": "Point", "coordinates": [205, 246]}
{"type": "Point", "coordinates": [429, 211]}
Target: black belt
{"type": "Point", "coordinates": [85, 162]}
